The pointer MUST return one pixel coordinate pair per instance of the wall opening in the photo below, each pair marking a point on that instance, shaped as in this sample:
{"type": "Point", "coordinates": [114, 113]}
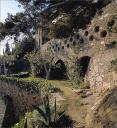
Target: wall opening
{"type": "Point", "coordinates": [67, 45]}
{"type": "Point", "coordinates": [59, 71]}
{"type": "Point", "coordinates": [84, 64]}
{"type": "Point", "coordinates": [91, 38]}
{"type": "Point", "coordinates": [96, 29]}
{"type": "Point", "coordinates": [111, 23]}
{"type": "Point", "coordinates": [58, 49]}
{"type": "Point", "coordinates": [74, 43]}
{"type": "Point", "coordinates": [103, 33]}
{"type": "Point", "coordinates": [63, 47]}
{"type": "Point", "coordinates": [86, 33]}
{"type": "Point", "coordinates": [71, 39]}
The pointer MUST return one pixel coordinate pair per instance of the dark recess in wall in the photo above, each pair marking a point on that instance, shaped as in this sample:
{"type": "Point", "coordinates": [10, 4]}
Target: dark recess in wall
{"type": "Point", "coordinates": [9, 118]}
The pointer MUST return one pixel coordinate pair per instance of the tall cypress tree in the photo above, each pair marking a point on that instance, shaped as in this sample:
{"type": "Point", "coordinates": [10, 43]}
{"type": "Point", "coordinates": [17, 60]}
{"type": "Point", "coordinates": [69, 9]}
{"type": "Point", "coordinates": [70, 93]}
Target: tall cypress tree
{"type": "Point", "coordinates": [7, 49]}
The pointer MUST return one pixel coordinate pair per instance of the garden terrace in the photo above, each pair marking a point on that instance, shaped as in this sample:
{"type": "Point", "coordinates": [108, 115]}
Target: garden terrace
{"type": "Point", "coordinates": [25, 93]}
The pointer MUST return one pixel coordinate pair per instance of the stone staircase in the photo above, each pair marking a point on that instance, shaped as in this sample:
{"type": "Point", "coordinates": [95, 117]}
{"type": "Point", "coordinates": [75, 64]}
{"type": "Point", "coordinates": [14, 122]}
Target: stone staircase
{"type": "Point", "coordinates": [2, 110]}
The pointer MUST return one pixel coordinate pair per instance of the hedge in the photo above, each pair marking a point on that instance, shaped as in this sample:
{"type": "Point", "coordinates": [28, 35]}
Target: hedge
{"type": "Point", "coordinates": [32, 86]}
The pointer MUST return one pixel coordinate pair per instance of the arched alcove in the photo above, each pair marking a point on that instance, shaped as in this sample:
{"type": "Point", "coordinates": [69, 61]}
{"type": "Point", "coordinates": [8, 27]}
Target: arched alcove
{"type": "Point", "coordinates": [58, 48]}
{"type": "Point", "coordinates": [96, 29]}
{"type": "Point", "coordinates": [67, 45]}
{"type": "Point", "coordinates": [91, 38]}
{"type": "Point", "coordinates": [111, 23]}
{"type": "Point", "coordinates": [53, 47]}
{"type": "Point", "coordinates": [59, 71]}
{"type": "Point", "coordinates": [63, 47]}
{"type": "Point", "coordinates": [86, 33]}
{"type": "Point", "coordinates": [71, 39]}
{"type": "Point", "coordinates": [56, 45]}
{"type": "Point", "coordinates": [83, 65]}
{"type": "Point", "coordinates": [103, 33]}
{"type": "Point", "coordinates": [74, 43]}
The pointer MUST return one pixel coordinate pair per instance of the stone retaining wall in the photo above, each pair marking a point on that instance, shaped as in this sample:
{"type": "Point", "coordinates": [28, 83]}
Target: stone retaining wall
{"type": "Point", "coordinates": [23, 101]}
{"type": "Point", "coordinates": [99, 73]}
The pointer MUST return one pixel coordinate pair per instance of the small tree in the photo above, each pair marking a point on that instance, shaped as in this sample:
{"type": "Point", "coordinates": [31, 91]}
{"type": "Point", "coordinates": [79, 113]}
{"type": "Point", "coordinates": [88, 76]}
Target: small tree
{"type": "Point", "coordinates": [6, 61]}
{"type": "Point", "coordinates": [21, 48]}
{"type": "Point", "coordinates": [46, 116]}
{"type": "Point", "coordinates": [46, 59]}
{"type": "Point", "coordinates": [73, 66]}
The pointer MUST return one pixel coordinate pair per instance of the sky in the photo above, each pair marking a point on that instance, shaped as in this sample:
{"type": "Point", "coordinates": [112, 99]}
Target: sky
{"type": "Point", "coordinates": [8, 6]}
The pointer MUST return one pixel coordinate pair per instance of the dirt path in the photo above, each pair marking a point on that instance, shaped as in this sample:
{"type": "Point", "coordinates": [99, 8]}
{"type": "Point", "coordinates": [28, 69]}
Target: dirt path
{"type": "Point", "coordinates": [77, 107]}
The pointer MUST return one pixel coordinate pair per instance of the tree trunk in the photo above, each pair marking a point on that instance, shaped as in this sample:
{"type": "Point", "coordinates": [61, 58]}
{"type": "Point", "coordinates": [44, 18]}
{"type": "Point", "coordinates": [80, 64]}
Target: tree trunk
{"type": "Point", "coordinates": [34, 70]}
{"type": "Point", "coordinates": [48, 75]}
{"type": "Point", "coordinates": [48, 72]}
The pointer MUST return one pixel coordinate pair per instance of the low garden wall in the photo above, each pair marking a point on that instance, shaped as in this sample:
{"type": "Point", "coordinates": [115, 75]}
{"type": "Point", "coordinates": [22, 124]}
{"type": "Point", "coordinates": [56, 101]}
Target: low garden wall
{"type": "Point", "coordinates": [25, 94]}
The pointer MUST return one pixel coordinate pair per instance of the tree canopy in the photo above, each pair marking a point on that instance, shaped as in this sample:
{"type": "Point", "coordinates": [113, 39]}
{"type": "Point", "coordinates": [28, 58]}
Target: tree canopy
{"type": "Point", "coordinates": [21, 48]}
{"type": "Point", "coordinates": [36, 10]}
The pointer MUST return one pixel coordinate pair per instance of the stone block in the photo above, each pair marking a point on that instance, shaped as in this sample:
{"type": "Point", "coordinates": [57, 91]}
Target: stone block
{"type": "Point", "coordinates": [106, 85]}
{"type": "Point", "coordinates": [99, 78]}
{"type": "Point", "coordinates": [114, 76]}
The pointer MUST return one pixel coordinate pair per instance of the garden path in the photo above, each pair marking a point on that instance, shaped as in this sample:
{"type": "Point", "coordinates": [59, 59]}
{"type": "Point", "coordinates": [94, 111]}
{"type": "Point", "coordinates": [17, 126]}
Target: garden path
{"type": "Point", "coordinates": [76, 106]}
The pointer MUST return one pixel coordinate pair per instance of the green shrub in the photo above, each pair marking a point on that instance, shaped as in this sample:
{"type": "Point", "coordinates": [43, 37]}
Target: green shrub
{"type": "Point", "coordinates": [21, 124]}
{"type": "Point", "coordinates": [46, 115]}
{"type": "Point", "coordinates": [31, 85]}
{"type": "Point", "coordinates": [114, 43]}
{"type": "Point", "coordinates": [111, 45]}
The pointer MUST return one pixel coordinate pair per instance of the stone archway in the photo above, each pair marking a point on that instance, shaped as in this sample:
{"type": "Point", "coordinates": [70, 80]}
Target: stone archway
{"type": "Point", "coordinates": [84, 64]}
{"type": "Point", "coordinates": [59, 71]}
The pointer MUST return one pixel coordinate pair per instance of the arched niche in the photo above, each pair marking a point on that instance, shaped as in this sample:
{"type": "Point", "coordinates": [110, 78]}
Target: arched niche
{"type": "Point", "coordinates": [96, 29]}
{"type": "Point", "coordinates": [86, 33]}
{"type": "Point", "coordinates": [91, 38]}
{"type": "Point", "coordinates": [83, 64]}
{"type": "Point", "coordinates": [67, 45]}
{"type": "Point", "coordinates": [59, 71]}
{"type": "Point", "coordinates": [103, 33]}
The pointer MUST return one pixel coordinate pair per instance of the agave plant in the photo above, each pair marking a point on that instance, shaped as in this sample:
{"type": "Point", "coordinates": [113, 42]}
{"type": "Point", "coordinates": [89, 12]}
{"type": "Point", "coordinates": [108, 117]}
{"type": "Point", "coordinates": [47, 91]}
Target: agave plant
{"type": "Point", "coordinates": [46, 113]}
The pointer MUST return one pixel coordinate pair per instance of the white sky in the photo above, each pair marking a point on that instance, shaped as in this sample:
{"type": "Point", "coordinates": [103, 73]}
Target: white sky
{"type": "Point", "coordinates": [8, 6]}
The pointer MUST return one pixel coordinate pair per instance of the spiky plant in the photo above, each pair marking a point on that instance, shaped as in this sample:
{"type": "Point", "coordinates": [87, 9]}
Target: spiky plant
{"type": "Point", "coordinates": [46, 113]}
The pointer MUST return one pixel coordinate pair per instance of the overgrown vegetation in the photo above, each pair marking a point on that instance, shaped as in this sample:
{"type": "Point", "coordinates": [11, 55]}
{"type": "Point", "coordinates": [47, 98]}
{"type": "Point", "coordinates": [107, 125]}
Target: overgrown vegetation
{"type": "Point", "coordinates": [41, 61]}
{"type": "Point", "coordinates": [45, 116]}
{"type": "Point", "coordinates": [21, 48]}
{"type": "Point", "coordinates": [112, 44]}
{"type": "Point", "coordinates": [30, 84]}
